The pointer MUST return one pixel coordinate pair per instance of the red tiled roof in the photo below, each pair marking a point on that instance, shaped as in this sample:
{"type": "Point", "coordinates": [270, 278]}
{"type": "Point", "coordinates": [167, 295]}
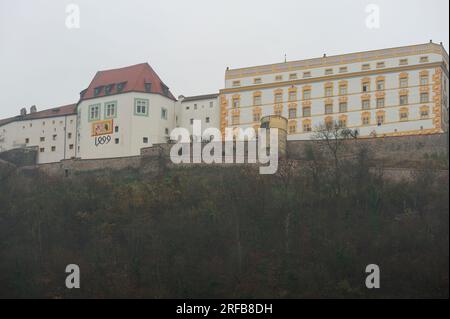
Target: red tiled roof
{"type": "Point", "coordinates": [135, 77]}
{"type": "Point", "coordinates": [54, 112]}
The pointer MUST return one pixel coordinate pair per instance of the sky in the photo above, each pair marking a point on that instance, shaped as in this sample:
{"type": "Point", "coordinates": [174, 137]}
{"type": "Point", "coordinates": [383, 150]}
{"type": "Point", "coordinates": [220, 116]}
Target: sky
{"type": "Point", "coordinates": [189, 43]}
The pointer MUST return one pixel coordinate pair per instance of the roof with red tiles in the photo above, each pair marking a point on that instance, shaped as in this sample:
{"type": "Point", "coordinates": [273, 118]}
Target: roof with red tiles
{"type": "Point", "coordinates": [70, 109]}
{"type": "Point", "coordinates": [135, 78]}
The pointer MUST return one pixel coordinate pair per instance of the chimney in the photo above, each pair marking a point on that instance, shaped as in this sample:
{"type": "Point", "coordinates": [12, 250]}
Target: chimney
{"type": "Point", "coordinates": [181, 97]}
{"type": "Point", "coordinates": [23, 111]}
{"type": "Point", "coordinates": [33, 109]}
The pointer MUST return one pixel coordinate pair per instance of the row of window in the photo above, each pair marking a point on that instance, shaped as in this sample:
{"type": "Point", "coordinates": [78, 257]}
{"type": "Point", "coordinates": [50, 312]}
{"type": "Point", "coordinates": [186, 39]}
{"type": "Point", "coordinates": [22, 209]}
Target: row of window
{"type": "Point", "coordinates": [207, 120]}
{"type": "Point", "coordinates": [54, 138]}
{"type": "Point", "coordinates": [342, 122]}
{"type": "Point", "coordinates": [328, 92]}
{"type": "Point", "coordinates": [330, 71]}
{"type": "Point", "coordinates": [53, 148]}
{"type": "Point", "coordinates": [195, 107]}
{"type": "Point", "coordinates": [141, 108]}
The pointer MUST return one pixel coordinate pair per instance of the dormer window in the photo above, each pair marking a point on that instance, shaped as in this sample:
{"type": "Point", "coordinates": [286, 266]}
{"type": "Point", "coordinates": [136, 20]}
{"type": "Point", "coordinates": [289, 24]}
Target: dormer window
{"type": "Point", "coordinates": [165, 89]}
{"type": "Point", "coordinates": [121, 86]}
{"type": "Point", "coordinates": [98, 90]}
{"type": "Point", "coordinates": [109, 88]}
{"type": "Point", "coordinates": [148, 87]}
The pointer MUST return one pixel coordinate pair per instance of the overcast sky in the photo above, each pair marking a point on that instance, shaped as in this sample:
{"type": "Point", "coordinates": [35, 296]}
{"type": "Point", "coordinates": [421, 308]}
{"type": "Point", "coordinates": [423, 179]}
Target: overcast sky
{"type": "Point", "coordinates": [188, 43]}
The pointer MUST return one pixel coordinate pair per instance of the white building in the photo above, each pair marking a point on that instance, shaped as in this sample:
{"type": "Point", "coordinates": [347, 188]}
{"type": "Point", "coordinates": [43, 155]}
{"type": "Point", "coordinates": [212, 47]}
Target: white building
{"type": "Point", "coordinates": [398, 91]}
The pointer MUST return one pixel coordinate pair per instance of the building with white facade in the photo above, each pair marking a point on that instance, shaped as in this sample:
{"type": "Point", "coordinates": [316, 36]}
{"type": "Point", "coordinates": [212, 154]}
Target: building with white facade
{"type": "Point", "coordinates": [389, 92]}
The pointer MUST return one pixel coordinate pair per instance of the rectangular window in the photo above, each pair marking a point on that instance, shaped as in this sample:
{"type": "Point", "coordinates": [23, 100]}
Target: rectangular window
{"type": "Point", "coordinates": [365, 67]}
{"type": "Point", "coordinates": [116, 129]}
{"type": "Point", "coordinates": [365, 87]}
{"type": "Point", "coordinates": [380, 65]}
{"type": "Point", "coordinates": [424, 80]}
{"type": "Point", "coordinates": [211, 104]}
{"type": "Point", "coordinates": [380, 119]}
{"type": "Point", "coordinates": [328, 108]}
{"type": "Point", "coordinates": [236, 83]}
{"type": "Point", "coordinates": [307, 127]}
{"type": "Point", "coordinates": [42, 150]}
{"type": "Point", "coordinates": [191, 121]}
{"type": "Point", "coordinates": [343, 69]}
{"type": "Point", "coordinates": [235, 119]}
{"type": "Point", "coordinates": [423, 59]}
{"type": "Point", "coordinates": [366, 120]}
{"type": "Point", "coordinates": [380, 85]}
{"type": "Point", "coordinates": [307, 74]}
{"type": "Point", "coordinates": [257, 100]}
{"type": "Point", "coordinates": [366, 104]}
{"type": "Point", "coordinates": [328, 71]}
{"type": "Point", "coordinates": [292, 96]}
{"type": "Point", "coordinates": [54, 137]}
{"type": "Point", "coordinates": [279, 78]}
{"type": "Point", "coordinates": [257, 81]}
{"type": "Point", "coordinates": [424, 114]}
{"type": "Point", "coordinates": [403, 116]}
{"type": "Point", "coordinates": [306, 111]}
{"type": "Point", "coordinates": [343, 90]}
{"type": "Point", "coordinates": [94, 112]}
{"type": "Point", "coordinates": [328, 91]}
{"type": "Point", "coordinates": [110, 110]}
{"type": "Point", "coordinates": [69, 135]}
{"type": "Point", "coordinates": [380, 103]}
{"type": "Point", "coordinates": [278, 98]}
{"type": "Point", "coordinates": [235, 102]}
{"type": "Point", "coordinates": [403, 99]}
{"type": "Point", "coordinates": [42, 139]}
{"type": "Point", "coordinates": [292, 113]}
{"type": "Point", "coordinates": [293, 76]}
{"type": "Point", "coordinates": [207, 120]}
{"type": "Point", "coordinates": [53, 148]}
{"type": "Point", "coordinates": [116, 141]}
{"type": "Point", "coordinates": [141, 107]}
{"type": "Point", "coordinates": [71, 147]}
{"type": "Point", "coordinates": [343, 107]}
{"type": "Point", "coordinates": [424, 97]}
{"type": "Point", "coordinates": [145, 140]}
{"type": "Point", "coordinates": [256, 117]}
{"type": "Point", "coordinates": [403, 82]}
{"type": "Point", "coordinates": [292, 128]}
{"type": "Point", "coordinates": [27, 140]}
{"type": "Point", "coordinates": [403, 62]}
{"type": "Point", "coordinates": [163, 113]}
{"type": "Point", "coordinates": [307, 94]}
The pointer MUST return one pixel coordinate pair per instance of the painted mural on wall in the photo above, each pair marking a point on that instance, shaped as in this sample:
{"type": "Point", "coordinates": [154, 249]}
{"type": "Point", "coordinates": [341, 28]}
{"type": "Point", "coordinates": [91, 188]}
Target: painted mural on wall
{"type": "Point", "coordinates": [101, 130]}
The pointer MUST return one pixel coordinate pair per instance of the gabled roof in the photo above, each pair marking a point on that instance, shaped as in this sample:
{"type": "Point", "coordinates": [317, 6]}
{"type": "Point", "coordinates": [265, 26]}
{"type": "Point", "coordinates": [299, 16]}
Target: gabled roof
{"type": "Point", "coordinates": [133, 78]}
{"type": "Point", "coordinates": [54, 112]}
{"type": "Point", "coordinates": [201, 97]}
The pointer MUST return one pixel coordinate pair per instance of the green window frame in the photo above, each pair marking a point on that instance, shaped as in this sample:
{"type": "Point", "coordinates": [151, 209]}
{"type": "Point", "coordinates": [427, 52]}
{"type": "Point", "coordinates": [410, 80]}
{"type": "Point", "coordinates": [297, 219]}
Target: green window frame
{"type": "Point", "coordinates": [141, 107]}
{"type": "Point", "coordinates": [94, 115]}
{"type": "Point", "coordinates": [110, 106]}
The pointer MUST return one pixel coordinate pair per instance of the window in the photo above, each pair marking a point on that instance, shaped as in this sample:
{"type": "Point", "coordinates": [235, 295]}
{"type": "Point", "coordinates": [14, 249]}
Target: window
{"type": "Point", "coordinates": [293, 76]}
{"type": "Point", "coordinates": [42, 150]}
{"type": "Point", "coordinates": [148, 87]}
{"type": "Point", "coordinates": [403, 99]}
{"type": "Point", "coordinates": [71, 147]}
{"type": "Point", "coordinates": [328, 71]}
{"type": "Point", "coordinates": [42, 139]}
{"type": "Point", "coordinates": [278, 97]}
{"type": "Point", "coordinates": [191, 121]}
{"type": "Point", "coordinates": [424, 80]}
{"type": "Point", "coordinates": [423, 59]}
{"type": "Point", "coordinates": [116, 141]}
{"type": "Point", "coordinates": [54, 137]}
{"type": "Point", "coordinates": [307, 126]}
{"type": "Point", "coordinates": [381, 64]}
{"type": "Point", "coordinates": [110, 110]}
{"type": "Point", "coordinates": [343, 69]}
{"type": "Point", "coordinates": [98, 90]}
{"type": "Point", "coordinates": [365, 119]}
{"type": "Point", "coordinates": [257, 81]}
{"type": "Point", "coordinates": [187, 108]}
{"type": "Point", "coordinates": [328, 91]}
{"type": "Point", "coordinates": [365, 67]}
{"type": "Point", "coordinates": [403, 62]}
{"type": "Point", "coordinates": [27, 140]}
{"type": "Point", "coordinates": [343, 121]}
{"type": "Point", "coordinates": [292, 96]}
{"type": "Point", "coordinates": [195, 106]}
{"type": "Point", "coordinates": [292, 127]}
{"type": "Point", "coordinates": [380, 103]}
{"type": "Point", "coordinates": [403, 114]}
{"type": "Point", "coordinates": [141, 107]}
{"type": "Point", "coordinates": [109, 88]}
{"type": "Point", "coordinates": [116, 129]}
{"type": "Point", "coordinates": [53, 148]}
{"type": "Point", "coordinates": [292, 113]}
{"type": "Point", "coordinates": [366, 86]}
{"type": "Point", "coordinates": [279, 78]}
{"type": "Point", "coordinates": [256, 117]}
{"type": "Point", "coordinates": [380, 85]}
{"type": "Point", "coordinates": [121, 86]}
{"type": "Point", "coordinates": [235, 119]}
{"type": "Point", "coordinates": [307, 74]}
{"type": "Point", "coordinates": [94, 112]}
{"type": "Point", "coordinates": [306, 111]}
{"type": "Point", "coordinates": [163, 114]}
{"type": "Point", "coordinates": [166, 131]}
{"type": "Point", "coordinates": [365, 104]}
{"type": "Point", "coordinates": [306, 94]}
{"type": "Point", "coordinates": [236, 102]}
{"type": "Point", "coordinates": [69, 135]}
{"type": "Point", "coordinates": [236, 83]}
{"type": "Point", "coordinates": [424, 112]}
{"type": "Point", "coordinates": [207, 120]}
{"type": "Point", "coordinates": [328, 108]}
{"type": "Point", "coordinates": [211, 104]}
{"type": "Point", "coordinates": [343, 107]}
{"type": "Point", "coordinates": [380, 119]}
{"type": "Point", "coordinates": [257, 99]}
{"type": "Point", "coordinates": [145, 140]}
{"type": "Point", "coordinates": [278, 112]}
{"type": "Point", "coordinates": [342, 89]}
{"type": "Point", "coordinates": [403, 82]}
{"type": "Point", "coordinates": [424, 97]}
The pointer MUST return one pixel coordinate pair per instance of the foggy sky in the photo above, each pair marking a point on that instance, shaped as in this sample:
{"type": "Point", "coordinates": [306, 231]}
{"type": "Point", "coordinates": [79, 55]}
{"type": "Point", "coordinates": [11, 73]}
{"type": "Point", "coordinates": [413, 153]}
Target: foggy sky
{"type": "Point", "coordinates": [188, 43]}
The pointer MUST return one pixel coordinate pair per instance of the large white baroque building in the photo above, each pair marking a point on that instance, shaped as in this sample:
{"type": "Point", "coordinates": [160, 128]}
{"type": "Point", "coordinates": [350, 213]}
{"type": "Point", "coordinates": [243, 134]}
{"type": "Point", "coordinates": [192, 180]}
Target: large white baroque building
{"type": "Point", "coordinates": [388, 92]}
